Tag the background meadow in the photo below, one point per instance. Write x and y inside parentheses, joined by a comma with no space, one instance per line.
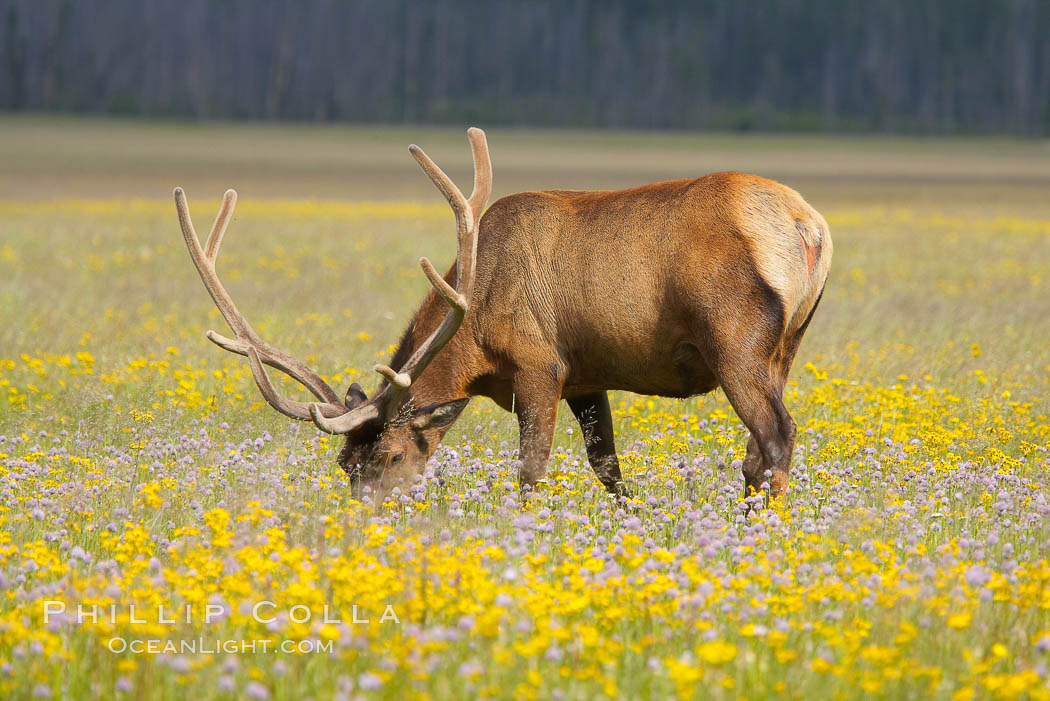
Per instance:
(139,466)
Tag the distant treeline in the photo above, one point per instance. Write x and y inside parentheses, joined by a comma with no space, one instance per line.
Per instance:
(891,65)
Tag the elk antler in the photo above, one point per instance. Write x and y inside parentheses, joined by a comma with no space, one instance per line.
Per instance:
(468,216)
(330,414)
(247,342)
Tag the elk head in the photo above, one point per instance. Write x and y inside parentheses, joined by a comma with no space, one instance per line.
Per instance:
(388,437)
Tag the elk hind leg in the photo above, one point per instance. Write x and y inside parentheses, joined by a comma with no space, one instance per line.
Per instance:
(595,418)
(782,366)
(756,398)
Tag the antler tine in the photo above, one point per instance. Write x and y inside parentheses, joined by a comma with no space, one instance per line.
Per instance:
(482,172)
(444,183)
(344,423)
(247,342)
(454,299)
(218,229)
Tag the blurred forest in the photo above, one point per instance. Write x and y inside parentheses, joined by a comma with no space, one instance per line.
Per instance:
(837,65)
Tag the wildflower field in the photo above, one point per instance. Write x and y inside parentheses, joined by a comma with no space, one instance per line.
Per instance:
(142,478)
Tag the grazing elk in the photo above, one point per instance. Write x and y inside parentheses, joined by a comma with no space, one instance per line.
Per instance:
(671,289)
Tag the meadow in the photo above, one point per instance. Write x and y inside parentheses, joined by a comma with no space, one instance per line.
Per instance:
(139,467)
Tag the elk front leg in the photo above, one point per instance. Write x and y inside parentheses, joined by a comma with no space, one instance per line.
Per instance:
(595,419)
(536,397)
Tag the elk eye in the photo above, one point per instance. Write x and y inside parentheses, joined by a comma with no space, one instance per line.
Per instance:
(398,457)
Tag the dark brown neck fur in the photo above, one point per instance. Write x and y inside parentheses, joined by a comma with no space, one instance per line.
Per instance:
(405,346)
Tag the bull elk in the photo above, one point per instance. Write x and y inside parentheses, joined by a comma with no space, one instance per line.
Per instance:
(669,289)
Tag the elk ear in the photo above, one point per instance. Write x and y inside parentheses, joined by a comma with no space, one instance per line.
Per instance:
(354,396)
(439,415)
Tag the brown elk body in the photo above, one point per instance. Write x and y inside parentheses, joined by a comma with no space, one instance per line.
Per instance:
(670,289)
